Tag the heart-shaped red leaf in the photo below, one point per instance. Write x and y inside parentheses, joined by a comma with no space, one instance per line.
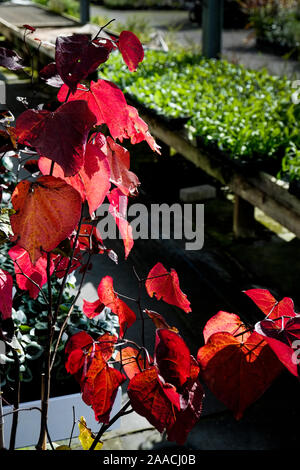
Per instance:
(238,371)
(41,220)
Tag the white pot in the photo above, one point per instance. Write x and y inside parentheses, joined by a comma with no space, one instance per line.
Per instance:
(60,419)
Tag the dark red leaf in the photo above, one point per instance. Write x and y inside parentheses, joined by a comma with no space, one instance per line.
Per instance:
(92,179)
(10,59)
(77,57)
(60,135)
(172,357)
(51,76)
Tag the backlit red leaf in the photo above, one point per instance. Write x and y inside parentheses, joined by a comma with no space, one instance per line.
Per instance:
(224,321)
(131,49)
(165,286)
(119,162)
(107,102)
(25,270)
(108,298)
(269,305)
(41,220)
(132,361)
(60,135)
(118,209)
(283,336)
(238,372)
(6,285)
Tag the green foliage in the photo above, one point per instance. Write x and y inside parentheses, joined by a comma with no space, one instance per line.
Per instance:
(277,23)
(244,114)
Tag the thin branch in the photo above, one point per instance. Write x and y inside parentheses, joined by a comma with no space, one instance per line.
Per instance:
(70,311)
(104,427)
(101,29)
(16,400)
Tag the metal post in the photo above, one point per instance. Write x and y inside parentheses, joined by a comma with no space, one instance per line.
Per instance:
(84,11)
(212,24)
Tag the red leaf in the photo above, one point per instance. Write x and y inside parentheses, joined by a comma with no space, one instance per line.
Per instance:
(100,387)
(92,180)
(90,239)
(119,162)
(41,221)
(92,309)
(77,57)
(118,209)
(172,357)
(75,356)
(106,344)
(6,285)
(24,269)
(131,49)
(222,322)
(283,336)
(10,59)
(61,263)
(107,102)
(58,135)
(27,26)
(151,398)
(165,285)
(269,305)
(109,298)
(132,362)
(238,372)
